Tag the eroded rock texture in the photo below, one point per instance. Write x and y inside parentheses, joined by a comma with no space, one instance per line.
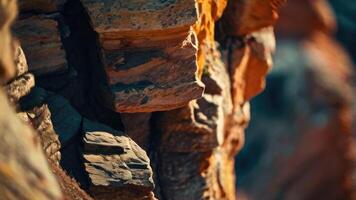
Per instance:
(142,99)
(149,53)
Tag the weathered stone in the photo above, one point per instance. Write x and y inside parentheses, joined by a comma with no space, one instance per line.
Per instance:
(157,71)
(20,87)
(200,126)
(41,6)
(42,45)
(249,61)
(140,15)
(159,80)
(137,127)
(40,118)
(23,167)
(20,61)
(115,163)
(242,17)
(195,175)
(209,12)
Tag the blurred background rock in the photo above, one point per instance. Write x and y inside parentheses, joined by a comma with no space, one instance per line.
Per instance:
(299,142)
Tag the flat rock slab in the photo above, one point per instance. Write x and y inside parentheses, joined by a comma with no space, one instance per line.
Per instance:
(143,15)
(41,42)
(149,53)
(113,161)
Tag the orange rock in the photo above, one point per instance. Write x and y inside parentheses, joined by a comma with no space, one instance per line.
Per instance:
(149,53)
(209,12)
(245,16)
(250,65)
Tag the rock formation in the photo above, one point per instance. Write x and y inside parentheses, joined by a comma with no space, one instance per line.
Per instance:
(24,172)
(142,99)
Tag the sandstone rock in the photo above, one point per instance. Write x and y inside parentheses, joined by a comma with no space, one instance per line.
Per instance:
(123,16)
(20,61)
(23,166)
(196,175)
(20,87)
(193,136)
(40,118)
(242,17)
(137,127)
(209,12)
(200,126)
(42,45)
(41,6)
(117,167)
(249,61)
(184,176)
(157,70)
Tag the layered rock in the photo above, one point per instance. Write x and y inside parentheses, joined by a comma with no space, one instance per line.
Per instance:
(42,45)
(21,92)
(126,59)
(117,167)
(149,53)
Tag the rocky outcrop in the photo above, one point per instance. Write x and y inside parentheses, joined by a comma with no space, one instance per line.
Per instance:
(149,53)
(112,75)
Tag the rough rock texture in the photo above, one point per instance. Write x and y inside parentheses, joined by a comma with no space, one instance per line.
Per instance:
(115,163)
(42,45)
(149,53)
(121,80)
(307,109)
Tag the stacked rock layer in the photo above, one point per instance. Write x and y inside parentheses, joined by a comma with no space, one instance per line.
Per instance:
(142,99)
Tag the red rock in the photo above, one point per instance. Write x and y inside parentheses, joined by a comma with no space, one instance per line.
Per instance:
(42,45)
(149,58)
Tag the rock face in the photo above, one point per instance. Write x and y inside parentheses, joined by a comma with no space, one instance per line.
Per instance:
(143,99)
(41,42)
(149,53)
